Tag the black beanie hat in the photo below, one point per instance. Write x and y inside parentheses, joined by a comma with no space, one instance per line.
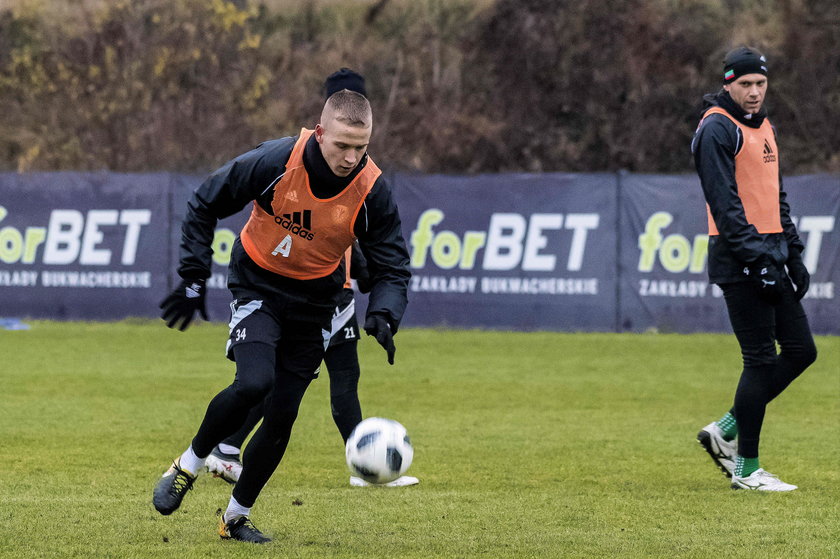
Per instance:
(344,79)
(741,61)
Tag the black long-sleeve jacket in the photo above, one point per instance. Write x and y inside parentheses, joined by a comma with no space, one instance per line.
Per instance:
(715,145)
(252,177)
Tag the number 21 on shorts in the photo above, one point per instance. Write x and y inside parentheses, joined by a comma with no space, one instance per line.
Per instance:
(284,248)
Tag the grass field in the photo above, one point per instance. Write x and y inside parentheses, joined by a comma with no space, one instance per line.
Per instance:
(527,445)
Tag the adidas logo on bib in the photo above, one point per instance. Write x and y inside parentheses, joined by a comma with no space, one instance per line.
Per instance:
(299,223)
(769,156)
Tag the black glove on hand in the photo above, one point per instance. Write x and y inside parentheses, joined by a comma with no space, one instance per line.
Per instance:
(182,303)
(378,327)
(768,277)
(798,273)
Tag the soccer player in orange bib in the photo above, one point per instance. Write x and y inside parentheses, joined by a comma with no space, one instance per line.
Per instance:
(312,195)
(341,357)
(755,256)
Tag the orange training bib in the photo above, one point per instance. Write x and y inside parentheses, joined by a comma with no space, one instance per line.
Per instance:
(307,236)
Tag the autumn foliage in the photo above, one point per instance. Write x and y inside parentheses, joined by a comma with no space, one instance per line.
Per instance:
(458,86)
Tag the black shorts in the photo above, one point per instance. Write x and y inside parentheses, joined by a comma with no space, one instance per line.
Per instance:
(345,327)
(302,343)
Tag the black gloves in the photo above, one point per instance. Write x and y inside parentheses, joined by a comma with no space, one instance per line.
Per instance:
(377,326)
(768,278)
(798,273)
(182,303)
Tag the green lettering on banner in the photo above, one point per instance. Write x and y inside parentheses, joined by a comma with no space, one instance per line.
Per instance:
(473,241)
(421,238)
(651,239)
(699,253)
(446,250)
(11,245)
(675,253)
(222,246)
(19,247)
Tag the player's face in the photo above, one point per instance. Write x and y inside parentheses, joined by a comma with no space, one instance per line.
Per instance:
(342,145)
(748,91)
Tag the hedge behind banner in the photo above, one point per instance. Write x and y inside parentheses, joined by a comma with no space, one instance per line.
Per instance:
(555,251)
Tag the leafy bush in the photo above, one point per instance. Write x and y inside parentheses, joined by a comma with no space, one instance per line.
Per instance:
(457,86)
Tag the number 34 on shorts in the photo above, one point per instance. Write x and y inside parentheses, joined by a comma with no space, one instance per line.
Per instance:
(251,322)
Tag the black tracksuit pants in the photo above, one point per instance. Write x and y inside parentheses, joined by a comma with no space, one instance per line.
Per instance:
(278,374)
(342,361)
(758,325)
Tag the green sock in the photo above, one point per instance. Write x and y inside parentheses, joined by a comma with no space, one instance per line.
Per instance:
(729,426)
(745,466)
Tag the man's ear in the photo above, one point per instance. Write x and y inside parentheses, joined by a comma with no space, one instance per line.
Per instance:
(319,133)
(725,87)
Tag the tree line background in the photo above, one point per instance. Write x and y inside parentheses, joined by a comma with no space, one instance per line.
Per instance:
(457,86)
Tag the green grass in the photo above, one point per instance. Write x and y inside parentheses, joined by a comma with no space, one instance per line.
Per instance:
(527,445)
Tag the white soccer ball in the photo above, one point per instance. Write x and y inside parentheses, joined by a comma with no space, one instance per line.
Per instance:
(379,450)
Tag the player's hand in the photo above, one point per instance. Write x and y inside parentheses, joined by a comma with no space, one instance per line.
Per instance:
(182,303)
(768,278)
(377,326)
(798,273)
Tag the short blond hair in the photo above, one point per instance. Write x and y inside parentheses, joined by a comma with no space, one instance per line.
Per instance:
(348,107)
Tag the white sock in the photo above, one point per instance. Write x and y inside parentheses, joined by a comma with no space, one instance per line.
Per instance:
(235,510)
(228,449)
(190,462)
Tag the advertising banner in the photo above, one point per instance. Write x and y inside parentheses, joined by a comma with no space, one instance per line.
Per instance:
(664,281)
(511,251)
(555,251)
(82,245)
(664,284)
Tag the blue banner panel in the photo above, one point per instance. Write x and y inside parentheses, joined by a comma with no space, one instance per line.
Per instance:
(664,245)
(82,245)
(510,251)
(815,208)
(600,252)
